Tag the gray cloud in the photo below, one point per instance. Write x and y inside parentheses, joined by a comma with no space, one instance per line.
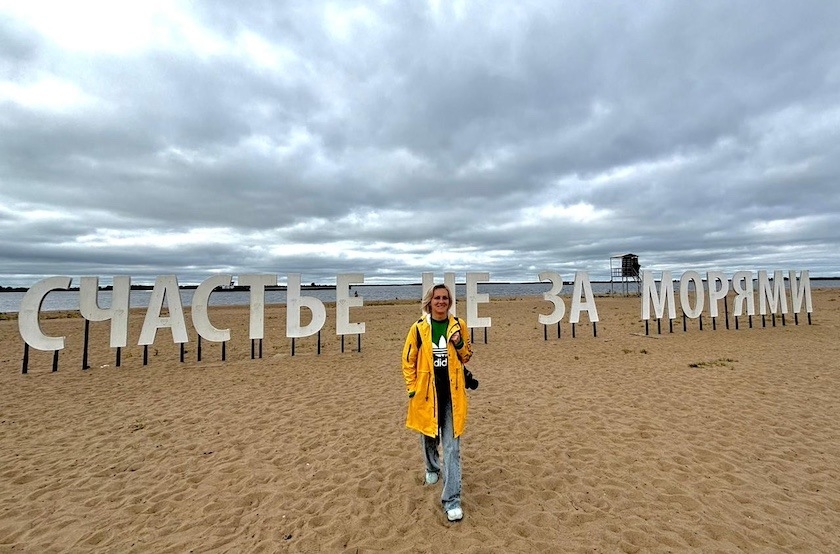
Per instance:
(392,139)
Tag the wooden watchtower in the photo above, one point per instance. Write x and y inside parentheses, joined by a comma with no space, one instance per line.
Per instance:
(624,270)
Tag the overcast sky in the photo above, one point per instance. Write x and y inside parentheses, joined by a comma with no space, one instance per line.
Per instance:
(151,138)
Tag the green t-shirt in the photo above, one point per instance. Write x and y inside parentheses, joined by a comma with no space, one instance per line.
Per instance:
(440,359)
(439,330)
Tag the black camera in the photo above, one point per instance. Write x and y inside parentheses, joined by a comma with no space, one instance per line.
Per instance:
(471,382)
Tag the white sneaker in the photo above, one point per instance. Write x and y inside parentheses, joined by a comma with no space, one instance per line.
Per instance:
(455,514)
(431,477)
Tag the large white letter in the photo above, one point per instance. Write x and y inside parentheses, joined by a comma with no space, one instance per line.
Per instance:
(448,280)
(742,284)
(582,284)
(553,297)
(117,313)
(651,296)
(798,287)
(685,301)
(474,299)
(257,284)
(166,288)
(294,302)
(200,301)
(716,293)
(774,298)
(343,303)
(30,307)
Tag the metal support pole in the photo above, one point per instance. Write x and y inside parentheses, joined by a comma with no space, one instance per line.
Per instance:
(24,368)
(85,347)
(726,312)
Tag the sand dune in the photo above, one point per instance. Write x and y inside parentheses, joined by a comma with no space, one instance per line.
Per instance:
(713,441)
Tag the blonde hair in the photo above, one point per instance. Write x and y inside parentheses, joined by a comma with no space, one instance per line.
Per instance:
(426,303)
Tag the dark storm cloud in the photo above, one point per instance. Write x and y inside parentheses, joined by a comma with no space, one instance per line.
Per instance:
(397,138)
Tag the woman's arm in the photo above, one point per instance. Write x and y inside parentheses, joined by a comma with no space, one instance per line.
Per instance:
(460,339)
(409,359)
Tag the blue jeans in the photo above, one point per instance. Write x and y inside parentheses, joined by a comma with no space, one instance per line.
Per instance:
(451,495)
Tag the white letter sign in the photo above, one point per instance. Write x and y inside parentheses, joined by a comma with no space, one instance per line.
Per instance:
(30,306)
(166,288)
(685,301)
(771,298)
(200,301)
(716,293)
(117,313)
(742,285)
(343,303)
(553,296)
(257,284)
(799,288)
(474,299)
(588,304)
(294,302)
(659,301)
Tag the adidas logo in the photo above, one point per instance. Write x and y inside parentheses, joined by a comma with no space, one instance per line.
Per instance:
(440,353)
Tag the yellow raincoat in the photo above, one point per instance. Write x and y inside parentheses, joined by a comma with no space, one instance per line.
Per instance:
(419,376)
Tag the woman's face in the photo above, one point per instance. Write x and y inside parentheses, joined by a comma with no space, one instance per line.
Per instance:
(440,304)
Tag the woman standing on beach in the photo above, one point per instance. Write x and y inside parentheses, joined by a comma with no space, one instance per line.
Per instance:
(432,365)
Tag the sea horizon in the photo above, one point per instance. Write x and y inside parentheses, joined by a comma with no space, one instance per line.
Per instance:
(68,300)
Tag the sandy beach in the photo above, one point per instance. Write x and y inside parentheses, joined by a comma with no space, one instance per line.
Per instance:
(711,441)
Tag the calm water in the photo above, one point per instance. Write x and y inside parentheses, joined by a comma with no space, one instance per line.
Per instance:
(69,300)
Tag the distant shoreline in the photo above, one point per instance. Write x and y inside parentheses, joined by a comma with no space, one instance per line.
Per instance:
(314,286)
